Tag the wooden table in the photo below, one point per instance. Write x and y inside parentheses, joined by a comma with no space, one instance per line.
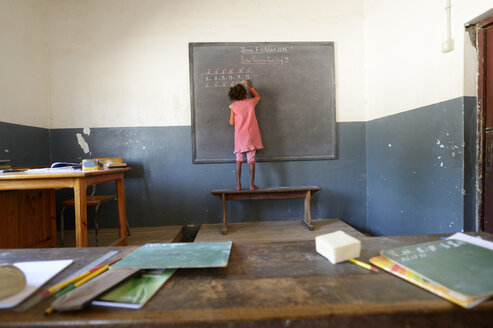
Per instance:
(78,181)
(283,284)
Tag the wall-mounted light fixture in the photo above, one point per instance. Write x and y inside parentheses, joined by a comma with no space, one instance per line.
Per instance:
(448,45)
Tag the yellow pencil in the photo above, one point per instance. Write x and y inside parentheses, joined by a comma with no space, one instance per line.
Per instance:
(48,311)
(92,275)
(69,281)
(364,265)
(83,280)
(77,284)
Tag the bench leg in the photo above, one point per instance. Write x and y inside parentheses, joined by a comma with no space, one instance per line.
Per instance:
(308,215)
(225,226)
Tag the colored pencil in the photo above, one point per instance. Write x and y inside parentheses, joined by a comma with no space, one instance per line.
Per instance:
(86,277)
(70,281)
(95,272)
(364,265)
(82,281)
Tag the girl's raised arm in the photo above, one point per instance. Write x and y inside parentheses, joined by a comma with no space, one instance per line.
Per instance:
(256,96)
(232,117)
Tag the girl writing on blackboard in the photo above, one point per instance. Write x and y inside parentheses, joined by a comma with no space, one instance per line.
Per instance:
(247,134)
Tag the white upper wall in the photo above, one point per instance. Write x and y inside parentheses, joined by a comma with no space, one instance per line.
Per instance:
(23,64)
(405,67)
(125,62)
(104,63)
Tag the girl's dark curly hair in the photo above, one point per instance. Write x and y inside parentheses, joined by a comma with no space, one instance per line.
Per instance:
(238,92)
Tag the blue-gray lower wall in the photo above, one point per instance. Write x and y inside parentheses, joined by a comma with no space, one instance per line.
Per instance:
(403,174)
(415,165)
(24,145)
(164,187)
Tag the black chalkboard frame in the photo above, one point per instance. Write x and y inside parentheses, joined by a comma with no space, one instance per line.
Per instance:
(331,154)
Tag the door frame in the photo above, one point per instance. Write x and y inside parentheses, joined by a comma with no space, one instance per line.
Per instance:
(481,116)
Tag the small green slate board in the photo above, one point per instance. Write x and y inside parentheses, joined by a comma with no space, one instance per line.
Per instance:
(178,255)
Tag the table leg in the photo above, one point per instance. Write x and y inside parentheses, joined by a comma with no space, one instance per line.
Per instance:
(122,213)
(80,207)
(225,226)
(308,215)
(54,242)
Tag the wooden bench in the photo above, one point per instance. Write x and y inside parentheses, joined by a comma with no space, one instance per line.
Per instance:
(305,192)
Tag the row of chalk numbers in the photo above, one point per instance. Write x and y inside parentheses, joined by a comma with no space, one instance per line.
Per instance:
(224,77)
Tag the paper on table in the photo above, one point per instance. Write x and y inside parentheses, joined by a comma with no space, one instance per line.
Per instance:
(37,274)
(478,241)
(63,169)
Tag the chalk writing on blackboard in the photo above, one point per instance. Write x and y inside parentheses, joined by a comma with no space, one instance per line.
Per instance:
(267,49)
(268,54)
(225,77)
(226,70)
(262,60)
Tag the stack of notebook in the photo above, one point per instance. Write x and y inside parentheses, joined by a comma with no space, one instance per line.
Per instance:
(458,269)
(133,280)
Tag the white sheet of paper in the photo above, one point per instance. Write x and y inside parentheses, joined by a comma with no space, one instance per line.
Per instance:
(63,169)
(37,274)
(478,241)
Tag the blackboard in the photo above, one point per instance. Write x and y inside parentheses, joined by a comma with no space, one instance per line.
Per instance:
(296,113)
(453,264)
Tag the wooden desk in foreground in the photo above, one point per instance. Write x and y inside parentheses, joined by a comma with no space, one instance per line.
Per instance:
(265,285)
(76,180)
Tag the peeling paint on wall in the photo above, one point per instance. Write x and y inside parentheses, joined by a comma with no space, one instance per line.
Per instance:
(417,189)
(87,131)
(82,143)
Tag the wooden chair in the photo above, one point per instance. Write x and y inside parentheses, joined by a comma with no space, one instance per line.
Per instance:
(92,200)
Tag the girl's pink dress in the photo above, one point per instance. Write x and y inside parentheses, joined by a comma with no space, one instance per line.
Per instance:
(247,134)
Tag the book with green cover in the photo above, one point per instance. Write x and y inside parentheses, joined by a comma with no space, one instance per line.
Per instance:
(418,280)
(454,264)
(136,291)
(178,255)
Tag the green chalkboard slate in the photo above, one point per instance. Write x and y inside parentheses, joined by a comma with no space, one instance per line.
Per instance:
(454,264)
(296,113)
(178,255)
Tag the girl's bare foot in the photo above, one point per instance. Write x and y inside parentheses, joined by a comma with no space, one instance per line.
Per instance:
(253,187)
(238,188)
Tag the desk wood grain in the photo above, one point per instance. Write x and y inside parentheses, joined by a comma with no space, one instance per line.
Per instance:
(282,284)
(27,218)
